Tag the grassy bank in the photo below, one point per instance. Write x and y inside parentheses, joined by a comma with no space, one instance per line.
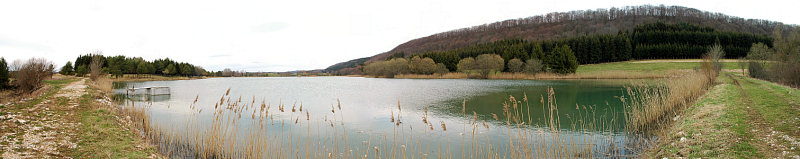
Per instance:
(104,133)
(740,118)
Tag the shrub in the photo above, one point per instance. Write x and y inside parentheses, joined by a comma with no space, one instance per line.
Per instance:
(516,65)
(388,68)
(533,66)
(466,64)
(419,65)
(30,75)
(756,70)
(487,63)
(441,68)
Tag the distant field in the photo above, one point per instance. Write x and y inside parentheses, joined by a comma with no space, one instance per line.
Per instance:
(650,65)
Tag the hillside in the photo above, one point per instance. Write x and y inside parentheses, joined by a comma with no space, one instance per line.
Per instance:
(559,25)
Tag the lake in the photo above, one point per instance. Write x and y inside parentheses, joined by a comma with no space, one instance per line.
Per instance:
(356,115)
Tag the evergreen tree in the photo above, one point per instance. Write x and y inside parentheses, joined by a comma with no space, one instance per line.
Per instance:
(66,69)
(562,60)
(81,70)
(170,70)
(4,75)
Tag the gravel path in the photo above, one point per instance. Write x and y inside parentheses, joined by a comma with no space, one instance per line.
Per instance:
(44,130)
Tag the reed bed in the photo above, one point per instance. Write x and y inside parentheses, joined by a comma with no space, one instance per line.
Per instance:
(242,127)
(648,107)
(102,83)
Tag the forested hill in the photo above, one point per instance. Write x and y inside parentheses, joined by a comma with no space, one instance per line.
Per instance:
(560,25)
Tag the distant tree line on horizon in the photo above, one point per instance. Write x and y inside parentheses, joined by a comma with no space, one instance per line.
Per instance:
(119,65)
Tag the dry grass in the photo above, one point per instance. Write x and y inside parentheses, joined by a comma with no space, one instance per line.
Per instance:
(103,84)
(648,106)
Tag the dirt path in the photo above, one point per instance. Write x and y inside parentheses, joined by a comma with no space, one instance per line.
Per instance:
(773,142)
(739,118)
(45,129)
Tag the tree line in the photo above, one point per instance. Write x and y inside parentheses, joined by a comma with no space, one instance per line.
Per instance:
(677,41)
(583,50)
(560,59)
(120,64)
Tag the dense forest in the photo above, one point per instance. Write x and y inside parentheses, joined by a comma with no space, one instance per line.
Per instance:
(656,40)
(119,65)
(600,22)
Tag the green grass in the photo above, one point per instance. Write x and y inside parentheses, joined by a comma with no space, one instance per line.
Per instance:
(737,120)
(646,67)
(101,136)
(721,117)
(777,104)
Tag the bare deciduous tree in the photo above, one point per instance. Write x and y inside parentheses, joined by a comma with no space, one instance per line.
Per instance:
(28,75)
(96,66)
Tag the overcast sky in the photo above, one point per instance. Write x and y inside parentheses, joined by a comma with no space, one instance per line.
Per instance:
(280,35)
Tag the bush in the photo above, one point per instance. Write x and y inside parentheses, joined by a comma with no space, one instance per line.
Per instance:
(533,66)
(466,64)
(756,70)
(30,75)
(488,63)
(515,65)
(561,60)
(388,68)
(419,65)
(441,68)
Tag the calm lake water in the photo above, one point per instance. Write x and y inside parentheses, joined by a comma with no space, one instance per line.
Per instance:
(368,104)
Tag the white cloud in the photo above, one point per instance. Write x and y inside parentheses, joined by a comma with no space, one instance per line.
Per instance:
(275,35)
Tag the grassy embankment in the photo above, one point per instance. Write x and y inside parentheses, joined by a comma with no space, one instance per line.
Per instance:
(637,69)
(741,117)
(67,120)
(103,132)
